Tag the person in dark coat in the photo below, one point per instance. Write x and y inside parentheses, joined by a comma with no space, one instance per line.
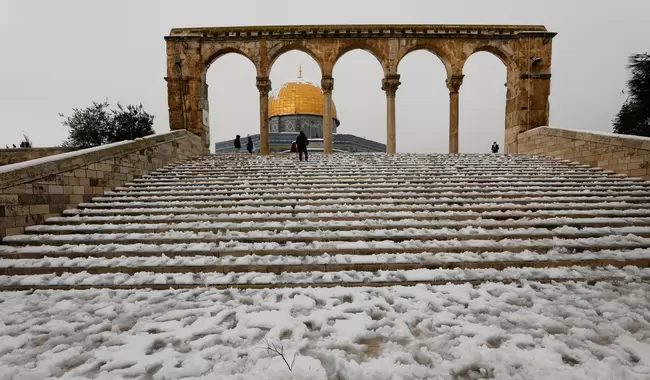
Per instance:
(302,143)
(495,147)
(294,149)
(249,145)
(237,144)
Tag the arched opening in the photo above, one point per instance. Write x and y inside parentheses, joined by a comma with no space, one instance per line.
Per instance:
(359,99)
(233,100)
(482,104)
(295,101)
(422,104)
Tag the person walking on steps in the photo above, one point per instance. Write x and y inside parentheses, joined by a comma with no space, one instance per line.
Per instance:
(237,144)
(249,145)
(495,147)
(302,143)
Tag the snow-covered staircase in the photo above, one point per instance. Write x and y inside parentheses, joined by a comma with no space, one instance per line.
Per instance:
(349,219)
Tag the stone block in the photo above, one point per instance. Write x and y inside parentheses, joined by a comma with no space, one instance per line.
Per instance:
(20,189)
(78,190)
(7,221)
(80,173)
(39,209)
(16,210)
(14,231)
(638,172)
(55,189)
(8,199)
(77,198)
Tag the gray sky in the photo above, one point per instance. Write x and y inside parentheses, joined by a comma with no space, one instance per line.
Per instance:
(61,54)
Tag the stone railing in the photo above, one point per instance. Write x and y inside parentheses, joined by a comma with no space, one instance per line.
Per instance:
(11,156)
(32,191)
(624,154)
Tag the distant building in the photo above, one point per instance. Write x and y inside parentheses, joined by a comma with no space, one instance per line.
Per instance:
(298,106)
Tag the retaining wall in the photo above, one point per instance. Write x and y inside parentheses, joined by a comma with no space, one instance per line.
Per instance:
(32,191)
(624,154)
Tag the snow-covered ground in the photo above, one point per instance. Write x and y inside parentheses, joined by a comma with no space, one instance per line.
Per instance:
(271,222)
(455,332)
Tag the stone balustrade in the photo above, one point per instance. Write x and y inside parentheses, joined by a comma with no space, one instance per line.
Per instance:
(34,190)
(623,154)
(14,155)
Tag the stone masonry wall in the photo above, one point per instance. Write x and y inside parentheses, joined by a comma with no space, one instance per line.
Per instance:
(32,191)
(624,154)
(11,156)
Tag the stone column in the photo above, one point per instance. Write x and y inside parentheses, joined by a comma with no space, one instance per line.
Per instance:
(264,86)
(390,84)
(454,84)
(327,84)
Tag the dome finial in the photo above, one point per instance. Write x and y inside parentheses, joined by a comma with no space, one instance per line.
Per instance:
(300,71)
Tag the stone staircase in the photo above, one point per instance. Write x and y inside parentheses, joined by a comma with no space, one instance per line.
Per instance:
(345,220)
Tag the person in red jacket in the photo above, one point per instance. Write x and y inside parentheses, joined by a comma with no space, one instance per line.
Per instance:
(294,149)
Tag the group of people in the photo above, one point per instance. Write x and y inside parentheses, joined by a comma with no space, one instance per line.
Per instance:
(300,145)
(249,144)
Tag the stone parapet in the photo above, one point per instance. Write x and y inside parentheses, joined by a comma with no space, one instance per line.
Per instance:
(12,156)
(34,190)
(623,154)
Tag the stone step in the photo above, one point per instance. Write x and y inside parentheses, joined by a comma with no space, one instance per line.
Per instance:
(324,262)
(389,182)
(364,225)
(188,237)
(392,169)
(299,211)
(297,268)
(277,192)
(374,178)
(239,249)
(324,217)
(300,204)
(236,173)
(349,196)
(342,278)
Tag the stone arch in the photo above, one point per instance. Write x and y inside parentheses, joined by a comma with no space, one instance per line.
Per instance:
(375,52)
(214,55)
(498,52)
(273,56)
(433,50)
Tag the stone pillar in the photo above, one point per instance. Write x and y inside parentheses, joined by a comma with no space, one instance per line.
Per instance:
(390,84)
(327,84)
(527,106)
(454,83)
(264,86)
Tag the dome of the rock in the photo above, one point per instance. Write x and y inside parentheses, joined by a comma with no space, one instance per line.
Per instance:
(298,98)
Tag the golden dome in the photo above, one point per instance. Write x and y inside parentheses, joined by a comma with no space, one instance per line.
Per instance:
(299,97)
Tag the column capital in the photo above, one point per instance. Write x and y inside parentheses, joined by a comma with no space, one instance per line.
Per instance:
(454,82)
(263,85)
(390,83)
(327,84)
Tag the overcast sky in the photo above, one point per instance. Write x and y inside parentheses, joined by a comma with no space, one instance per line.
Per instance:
(58,55)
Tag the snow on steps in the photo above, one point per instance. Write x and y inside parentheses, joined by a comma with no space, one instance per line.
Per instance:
(363,219)
(286,237)
(150,280)
(345,225)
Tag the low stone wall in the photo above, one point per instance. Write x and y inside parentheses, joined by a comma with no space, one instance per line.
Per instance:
(624,154)
(11,156)
(32,191)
